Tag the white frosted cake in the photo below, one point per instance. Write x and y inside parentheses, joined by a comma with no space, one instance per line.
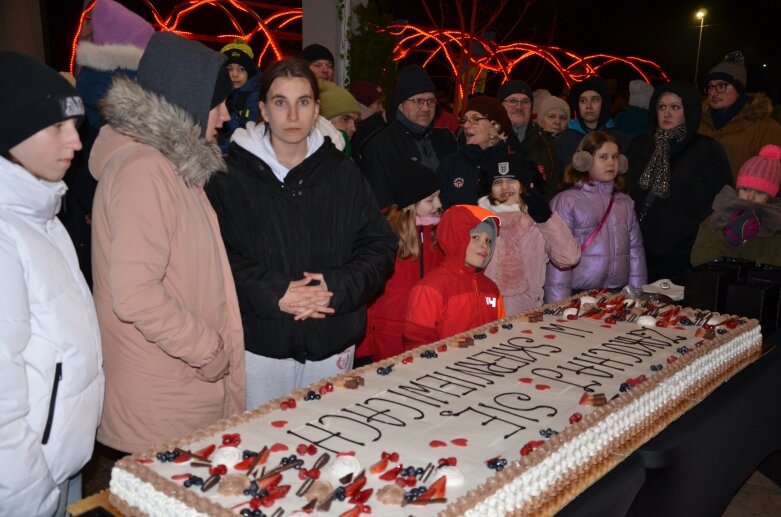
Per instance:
(517,416)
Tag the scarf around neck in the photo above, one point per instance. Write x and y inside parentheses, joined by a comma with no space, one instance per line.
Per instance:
(656,175)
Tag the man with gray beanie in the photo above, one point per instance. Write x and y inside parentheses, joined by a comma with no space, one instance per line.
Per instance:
(739,120)
(410,135)
(164,293)
(529,140)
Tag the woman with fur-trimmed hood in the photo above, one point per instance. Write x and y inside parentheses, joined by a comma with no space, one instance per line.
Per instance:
(165,298)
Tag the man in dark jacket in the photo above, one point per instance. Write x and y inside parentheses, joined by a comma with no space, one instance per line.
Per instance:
(589,100)
(409,137)
(529,139)
(739,120)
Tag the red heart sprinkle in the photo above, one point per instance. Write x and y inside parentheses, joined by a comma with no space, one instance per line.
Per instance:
(526,380)
(437,443)
(527,331)
(549,336)
(279,423)
(460,442)
(542,387)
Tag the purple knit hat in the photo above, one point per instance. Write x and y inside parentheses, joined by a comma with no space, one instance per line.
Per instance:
(113,23)
(763,172)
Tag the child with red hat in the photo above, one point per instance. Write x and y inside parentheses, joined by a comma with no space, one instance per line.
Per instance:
(746,223)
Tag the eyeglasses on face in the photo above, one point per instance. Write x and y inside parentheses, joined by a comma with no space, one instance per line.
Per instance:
(473,120)
(517,102)
(419,103)
(719,87)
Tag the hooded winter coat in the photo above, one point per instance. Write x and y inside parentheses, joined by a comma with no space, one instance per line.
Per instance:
(523,249)
(163,288)
(243,106)
(394,145)
(763,248)
(385,315)
(454,297)
(462,174)
(51,382)
(698,171)
(615,257)
(569,139)
(322,218)
(743,136)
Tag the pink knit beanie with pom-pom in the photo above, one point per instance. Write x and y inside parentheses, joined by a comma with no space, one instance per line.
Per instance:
(763,172)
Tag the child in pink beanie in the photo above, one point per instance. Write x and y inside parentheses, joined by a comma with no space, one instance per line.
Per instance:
(746,223)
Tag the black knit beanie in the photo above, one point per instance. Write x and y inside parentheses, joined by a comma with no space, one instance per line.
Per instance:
(316,52)
(513,87)
(411,182)
(413,80)
(32,97)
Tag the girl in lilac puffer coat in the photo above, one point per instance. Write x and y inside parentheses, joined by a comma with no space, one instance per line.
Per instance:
(601,217)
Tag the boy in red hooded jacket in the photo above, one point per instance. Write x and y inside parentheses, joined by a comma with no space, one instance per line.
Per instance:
(456,296)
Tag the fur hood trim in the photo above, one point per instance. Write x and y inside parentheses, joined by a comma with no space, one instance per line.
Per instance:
(108,58)
(152,120)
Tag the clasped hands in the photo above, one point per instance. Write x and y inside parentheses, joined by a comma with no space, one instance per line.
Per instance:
(307,298)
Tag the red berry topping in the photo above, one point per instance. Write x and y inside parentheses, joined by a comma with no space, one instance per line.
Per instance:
(392,473)
(575,418)
(314,473)
(255,503)
(493,330)
(311,449)
(301,449)
(407,359)
(572,317)
(322,390)
(442,348)
(303,473)
(329,387)
(610,320)
(231,440)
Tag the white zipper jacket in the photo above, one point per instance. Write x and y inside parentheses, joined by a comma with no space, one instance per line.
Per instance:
(51,378)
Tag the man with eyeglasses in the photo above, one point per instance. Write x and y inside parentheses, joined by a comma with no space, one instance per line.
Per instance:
(739,120)
(529,139)
(410,137)
(589,101)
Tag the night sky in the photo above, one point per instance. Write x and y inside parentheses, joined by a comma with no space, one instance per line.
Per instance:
(663,31)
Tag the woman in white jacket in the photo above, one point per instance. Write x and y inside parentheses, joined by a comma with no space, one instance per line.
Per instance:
(51,381)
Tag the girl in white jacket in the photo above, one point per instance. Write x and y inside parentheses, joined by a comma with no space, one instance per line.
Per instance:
(51,381)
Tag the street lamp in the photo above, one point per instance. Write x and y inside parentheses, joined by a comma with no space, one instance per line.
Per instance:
(700,15)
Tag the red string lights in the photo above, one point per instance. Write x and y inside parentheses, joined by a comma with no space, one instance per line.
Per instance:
(456,45)
(269,27)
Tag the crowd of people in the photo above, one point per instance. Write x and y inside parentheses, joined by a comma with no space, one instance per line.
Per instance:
(237,233)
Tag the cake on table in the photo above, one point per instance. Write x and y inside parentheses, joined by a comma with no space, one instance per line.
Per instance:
(520,415)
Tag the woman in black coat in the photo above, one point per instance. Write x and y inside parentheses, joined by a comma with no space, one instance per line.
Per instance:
(674,174)
(307,243)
